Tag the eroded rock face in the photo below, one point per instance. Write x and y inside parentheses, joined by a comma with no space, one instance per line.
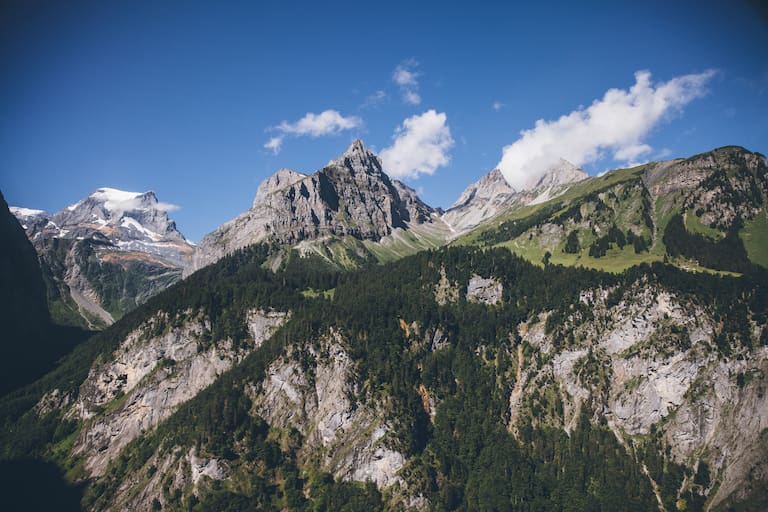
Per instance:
(318,403)
(658,371)
(350,196)
(727,184)
(149,376)
(484,290)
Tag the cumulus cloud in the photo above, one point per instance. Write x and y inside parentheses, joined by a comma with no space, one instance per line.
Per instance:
(406,78)
(328,122)
(420,145)
(617,124)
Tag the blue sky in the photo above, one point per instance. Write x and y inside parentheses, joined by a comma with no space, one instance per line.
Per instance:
(181,97)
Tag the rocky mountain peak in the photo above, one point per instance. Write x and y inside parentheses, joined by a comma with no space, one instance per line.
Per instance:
(129,221)
(358,159)
(27,216)
(349,197)
(120,215)
(487,187)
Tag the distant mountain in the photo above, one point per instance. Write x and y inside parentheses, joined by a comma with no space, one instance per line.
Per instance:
(105,254)
(349,201)
(131,221)
(492,195)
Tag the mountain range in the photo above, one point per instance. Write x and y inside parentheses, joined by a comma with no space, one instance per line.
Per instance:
(110,251)
(587,343)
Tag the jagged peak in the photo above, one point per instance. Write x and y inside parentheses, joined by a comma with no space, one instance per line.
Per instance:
(357,147)
(488,186)
(357,158)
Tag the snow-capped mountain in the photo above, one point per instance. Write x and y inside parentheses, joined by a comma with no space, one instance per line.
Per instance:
(106,253)
(491,195)
(132,221)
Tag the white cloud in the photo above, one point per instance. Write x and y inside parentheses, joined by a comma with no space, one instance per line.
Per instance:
(328,122)
(119,201)
(497,105)
(274,144)
(617,123)
(411,97)
(420,145)
(406,78)
(167,207)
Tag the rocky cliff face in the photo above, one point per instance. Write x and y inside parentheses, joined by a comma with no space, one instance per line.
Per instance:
(105,254)
(131,221)
(651,365)
(406,375)
(719,187)
(350,197)
(350,439)
(155,369)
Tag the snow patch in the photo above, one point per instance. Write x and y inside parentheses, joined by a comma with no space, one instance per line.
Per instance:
(130,222)
(18,211)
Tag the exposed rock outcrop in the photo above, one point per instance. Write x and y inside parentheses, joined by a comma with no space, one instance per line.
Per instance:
(484,290)
(351,438)
(149,376)
(649,365)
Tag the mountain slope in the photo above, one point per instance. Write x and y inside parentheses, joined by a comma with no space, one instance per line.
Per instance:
(623,218)
(105,254)
(464,378)
(432,377)
(24,310)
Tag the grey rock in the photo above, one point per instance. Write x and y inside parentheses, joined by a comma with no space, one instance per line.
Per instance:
(148,378)
(484,290)
(127,232)
(351,196)
(350,436)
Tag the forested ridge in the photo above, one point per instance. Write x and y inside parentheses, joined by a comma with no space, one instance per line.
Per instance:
(465,458)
